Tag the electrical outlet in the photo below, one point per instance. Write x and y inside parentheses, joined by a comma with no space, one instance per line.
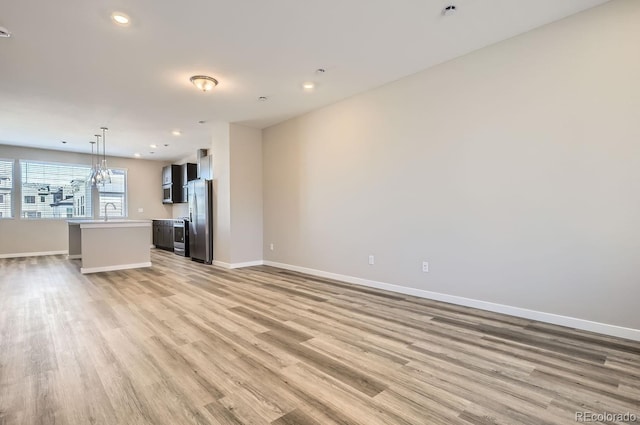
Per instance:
(425,266)
(271,246)
(371,260)
(140,210)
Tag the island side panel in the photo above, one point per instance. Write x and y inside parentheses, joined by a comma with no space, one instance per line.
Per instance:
(106,248)
(75,242)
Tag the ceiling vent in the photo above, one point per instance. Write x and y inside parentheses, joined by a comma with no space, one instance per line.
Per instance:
(449,10)
(4,33)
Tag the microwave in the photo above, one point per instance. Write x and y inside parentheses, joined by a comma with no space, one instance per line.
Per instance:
(167,193)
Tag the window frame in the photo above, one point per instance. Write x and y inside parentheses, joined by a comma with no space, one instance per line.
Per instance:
(125,208)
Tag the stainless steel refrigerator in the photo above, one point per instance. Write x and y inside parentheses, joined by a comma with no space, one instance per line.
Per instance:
(200,195)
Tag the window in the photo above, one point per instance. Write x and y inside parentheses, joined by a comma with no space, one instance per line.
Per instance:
(6,188)
(116,193)
(59,184)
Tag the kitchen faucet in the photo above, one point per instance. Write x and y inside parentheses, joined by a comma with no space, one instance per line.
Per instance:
(106,217)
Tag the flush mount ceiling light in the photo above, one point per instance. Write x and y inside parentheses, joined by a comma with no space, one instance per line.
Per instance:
(176,132)
(137,155)
(153,146)
(449,10)
(203,82)
(4,33)
(120,18)
(308,86)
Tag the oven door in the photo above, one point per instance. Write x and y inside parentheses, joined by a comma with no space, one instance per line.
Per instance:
(179,238)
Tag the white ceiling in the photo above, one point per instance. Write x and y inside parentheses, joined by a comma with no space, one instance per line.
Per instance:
(67,69)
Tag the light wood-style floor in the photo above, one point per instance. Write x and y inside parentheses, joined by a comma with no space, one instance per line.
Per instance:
(184,343)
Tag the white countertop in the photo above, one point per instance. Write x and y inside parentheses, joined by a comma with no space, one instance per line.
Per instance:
(116,222)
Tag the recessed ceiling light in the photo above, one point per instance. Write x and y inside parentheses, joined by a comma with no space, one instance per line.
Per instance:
(176,132)
(201,122)
(308,86)
(166,145)
(320,71)
(120,18)
(137,155)
(204,82)
(64,142)
(263,98)
(151,152)
(153,146)
(4,33)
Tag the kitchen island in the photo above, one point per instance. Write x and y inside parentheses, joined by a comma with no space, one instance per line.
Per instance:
(110,245)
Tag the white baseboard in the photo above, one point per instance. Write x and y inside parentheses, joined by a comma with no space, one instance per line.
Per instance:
(247,264)
(221,264)
(32,254)
(74,257)
(86,270)
(237,265)
(571,322)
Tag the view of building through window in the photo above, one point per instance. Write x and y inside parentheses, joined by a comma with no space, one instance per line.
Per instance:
(54,190)
(59,189)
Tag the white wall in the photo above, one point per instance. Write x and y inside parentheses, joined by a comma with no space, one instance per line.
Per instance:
(221,152)
(237,185)
(144,184)
(514,170)
(246,194)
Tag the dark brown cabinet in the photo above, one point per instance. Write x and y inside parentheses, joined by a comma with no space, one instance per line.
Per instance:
(188,172)
(174,182)
(163,234)
(171,174)
(171,184)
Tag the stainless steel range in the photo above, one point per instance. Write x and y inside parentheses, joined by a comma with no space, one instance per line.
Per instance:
(181,236)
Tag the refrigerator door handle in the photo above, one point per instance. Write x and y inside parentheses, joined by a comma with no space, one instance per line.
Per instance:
(195,206)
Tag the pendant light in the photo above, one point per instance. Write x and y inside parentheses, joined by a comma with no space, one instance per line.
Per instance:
(100,173)
(92,173)
(104,169)
(95,176)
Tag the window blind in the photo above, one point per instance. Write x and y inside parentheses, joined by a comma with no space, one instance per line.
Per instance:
(60,190)
(6,188)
